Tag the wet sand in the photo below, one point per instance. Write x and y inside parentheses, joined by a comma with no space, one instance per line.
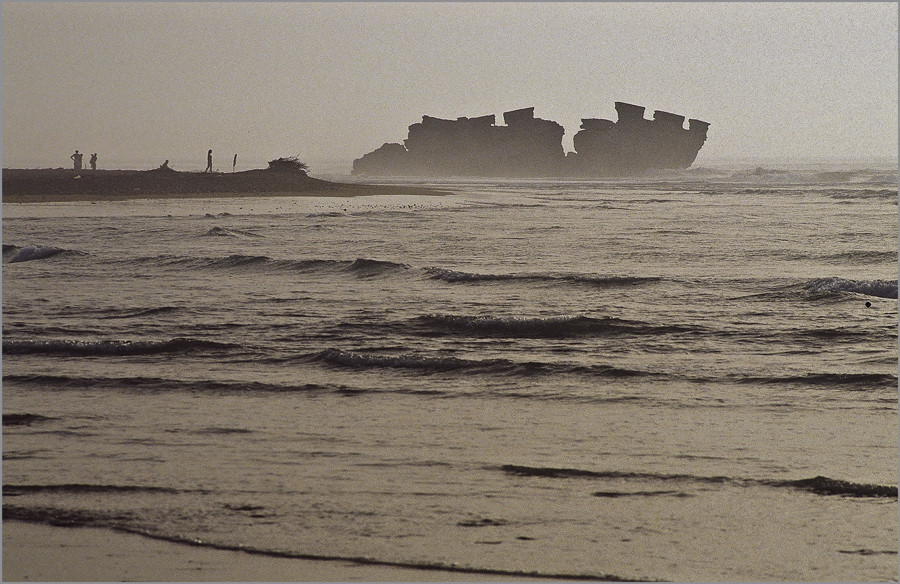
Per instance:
(63,185)
(42,553)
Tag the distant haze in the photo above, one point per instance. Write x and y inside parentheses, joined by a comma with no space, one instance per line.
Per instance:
(139,83)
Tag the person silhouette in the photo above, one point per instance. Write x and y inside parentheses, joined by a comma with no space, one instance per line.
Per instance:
(208,161)
(94,161)
(76,158)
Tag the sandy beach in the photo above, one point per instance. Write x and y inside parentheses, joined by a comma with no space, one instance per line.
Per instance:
(42,553)
(66,185)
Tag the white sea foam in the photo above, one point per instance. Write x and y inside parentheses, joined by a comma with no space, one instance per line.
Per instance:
(35,252)
(880,288)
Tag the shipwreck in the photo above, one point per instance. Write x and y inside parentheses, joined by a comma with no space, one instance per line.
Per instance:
(527,146)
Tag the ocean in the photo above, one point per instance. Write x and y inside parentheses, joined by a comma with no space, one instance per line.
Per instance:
(681,377)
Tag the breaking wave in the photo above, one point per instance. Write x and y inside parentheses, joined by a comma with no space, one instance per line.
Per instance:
(854,194)
(410,361)
(879,288)
(361,266)
(819,485)
(110,348)
(369,267)
(37,252)
(223,232)
(864,180)
(827,486)
(858,381)
(844,175)
(453,276)
(9,251)
(431,364)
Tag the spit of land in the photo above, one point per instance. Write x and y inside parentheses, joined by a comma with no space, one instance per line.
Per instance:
(62,185)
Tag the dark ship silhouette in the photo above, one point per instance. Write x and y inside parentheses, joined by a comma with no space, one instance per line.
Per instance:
(531,147)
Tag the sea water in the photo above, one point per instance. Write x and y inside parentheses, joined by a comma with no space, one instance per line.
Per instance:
(684,377)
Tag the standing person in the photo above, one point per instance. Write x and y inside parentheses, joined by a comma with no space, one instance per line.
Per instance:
(234,163)
(76,158)
(208,161)
(94,161)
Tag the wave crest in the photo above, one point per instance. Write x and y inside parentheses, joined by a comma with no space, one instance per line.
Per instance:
(223,232)
(363,267)
(819,485)
(405,361)
(40,252)
(858,381)
(367,267)
(548,327)
(827,486)
(110,348)
(431,364)
(879,288)
(453,277)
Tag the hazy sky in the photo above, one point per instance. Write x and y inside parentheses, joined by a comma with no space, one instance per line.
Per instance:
(142,82)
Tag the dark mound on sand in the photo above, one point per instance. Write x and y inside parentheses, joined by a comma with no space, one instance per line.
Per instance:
(58,185)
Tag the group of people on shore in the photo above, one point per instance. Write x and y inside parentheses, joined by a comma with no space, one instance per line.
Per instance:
(78,157)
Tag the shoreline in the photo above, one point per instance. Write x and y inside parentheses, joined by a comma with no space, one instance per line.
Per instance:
(351,191)
(37,552)
(66,185)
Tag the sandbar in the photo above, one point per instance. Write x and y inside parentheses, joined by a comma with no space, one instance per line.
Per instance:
(63,185)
